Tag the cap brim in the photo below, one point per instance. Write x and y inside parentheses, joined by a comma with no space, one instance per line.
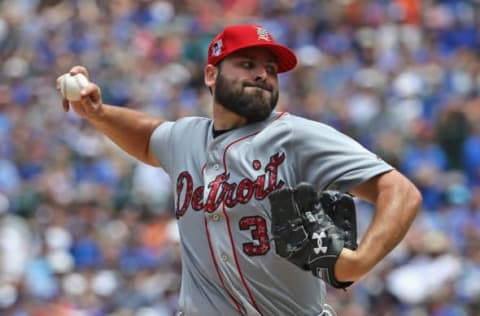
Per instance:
(286,59)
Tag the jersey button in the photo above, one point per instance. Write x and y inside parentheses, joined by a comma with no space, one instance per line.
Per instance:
(224,257)
(215,217)
(216,166)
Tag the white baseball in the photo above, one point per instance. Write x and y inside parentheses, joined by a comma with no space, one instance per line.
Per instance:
(71,85)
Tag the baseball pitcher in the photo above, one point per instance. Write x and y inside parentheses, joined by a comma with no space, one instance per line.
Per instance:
(262,198)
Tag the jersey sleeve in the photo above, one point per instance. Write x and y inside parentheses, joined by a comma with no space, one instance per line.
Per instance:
(175,143)
(160,143)
(330,159)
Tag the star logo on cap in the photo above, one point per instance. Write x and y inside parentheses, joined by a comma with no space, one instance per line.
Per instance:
(217,48)
(263,34)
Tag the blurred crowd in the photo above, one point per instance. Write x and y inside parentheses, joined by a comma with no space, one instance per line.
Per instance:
(86,230)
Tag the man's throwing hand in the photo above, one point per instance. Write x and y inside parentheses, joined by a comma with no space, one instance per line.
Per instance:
(89,105)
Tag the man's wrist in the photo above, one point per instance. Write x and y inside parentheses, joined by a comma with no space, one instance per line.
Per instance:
(348,267)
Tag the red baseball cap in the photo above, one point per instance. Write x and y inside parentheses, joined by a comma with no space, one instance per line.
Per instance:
(236,37)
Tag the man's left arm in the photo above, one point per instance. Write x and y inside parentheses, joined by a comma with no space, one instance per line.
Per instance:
(396,202)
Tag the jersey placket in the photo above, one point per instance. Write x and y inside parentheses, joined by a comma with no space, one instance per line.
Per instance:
(217,222)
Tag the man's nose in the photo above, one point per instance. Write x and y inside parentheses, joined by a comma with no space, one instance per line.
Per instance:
(261,73)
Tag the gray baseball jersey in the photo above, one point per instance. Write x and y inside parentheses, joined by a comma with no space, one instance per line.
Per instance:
(221,187)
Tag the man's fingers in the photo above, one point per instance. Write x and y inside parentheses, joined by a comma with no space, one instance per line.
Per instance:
(66,105)
(79,69)
(95,96)
(91,90)
(92,93)
(59,82)
(91,98)
(92,106)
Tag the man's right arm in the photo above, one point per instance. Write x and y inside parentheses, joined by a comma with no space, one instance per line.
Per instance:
(129,129)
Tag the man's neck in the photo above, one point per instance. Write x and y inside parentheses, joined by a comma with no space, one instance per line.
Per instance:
(217,132)
(224,119)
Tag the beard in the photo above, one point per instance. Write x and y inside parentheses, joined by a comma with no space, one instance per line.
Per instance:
(255,105)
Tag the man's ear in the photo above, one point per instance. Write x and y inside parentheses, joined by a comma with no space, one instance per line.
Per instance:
(210,75)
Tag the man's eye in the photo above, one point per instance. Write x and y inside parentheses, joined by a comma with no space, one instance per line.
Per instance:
(247,64)
(272,69)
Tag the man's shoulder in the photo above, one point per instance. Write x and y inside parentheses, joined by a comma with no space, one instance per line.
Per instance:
(188,125)
(300,122)
(192,122)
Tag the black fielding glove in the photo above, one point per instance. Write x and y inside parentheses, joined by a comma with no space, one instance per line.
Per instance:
(311,229)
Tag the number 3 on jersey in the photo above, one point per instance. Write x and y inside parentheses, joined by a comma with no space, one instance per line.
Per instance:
(260,244)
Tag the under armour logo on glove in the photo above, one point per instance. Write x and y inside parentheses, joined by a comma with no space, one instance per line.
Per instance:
(319,238)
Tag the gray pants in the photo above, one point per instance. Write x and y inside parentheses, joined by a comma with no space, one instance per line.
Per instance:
(327,311)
